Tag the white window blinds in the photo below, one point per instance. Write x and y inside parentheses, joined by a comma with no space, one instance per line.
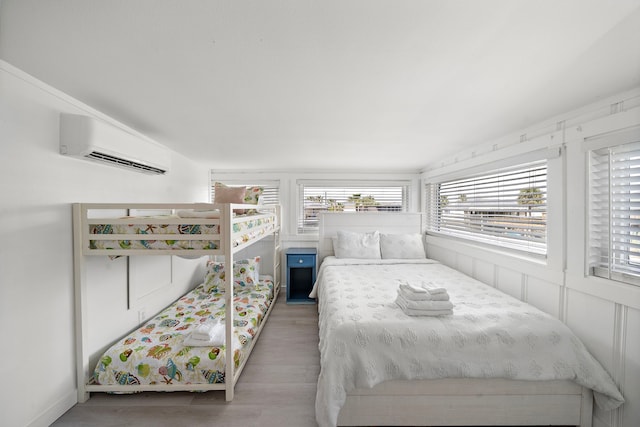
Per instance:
(614,212)
(506,208)
(326,196)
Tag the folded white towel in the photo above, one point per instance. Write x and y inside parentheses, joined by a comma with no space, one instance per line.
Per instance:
(206,334)
(423,305)
(409,294)
(411,312)
(204,331)
(433,288)
(414,288)
(421,287)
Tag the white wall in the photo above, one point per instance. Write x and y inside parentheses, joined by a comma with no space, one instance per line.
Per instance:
(603,313)
(37,187)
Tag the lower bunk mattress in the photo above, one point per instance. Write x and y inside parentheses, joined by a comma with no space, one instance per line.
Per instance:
(156,352)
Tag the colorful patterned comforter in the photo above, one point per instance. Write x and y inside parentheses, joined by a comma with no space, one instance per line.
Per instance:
(155,353)
(162,234)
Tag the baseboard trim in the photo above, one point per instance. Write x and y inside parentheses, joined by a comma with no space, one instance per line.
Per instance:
(56,410)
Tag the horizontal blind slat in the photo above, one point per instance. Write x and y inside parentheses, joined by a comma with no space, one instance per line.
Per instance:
(614,212)
(508,207)
(316,197)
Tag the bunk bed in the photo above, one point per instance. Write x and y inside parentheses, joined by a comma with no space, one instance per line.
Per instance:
(380,366)
(187,230)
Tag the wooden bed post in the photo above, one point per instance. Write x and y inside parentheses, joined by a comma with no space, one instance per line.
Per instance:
(586,407)
(227,242)
(80,297)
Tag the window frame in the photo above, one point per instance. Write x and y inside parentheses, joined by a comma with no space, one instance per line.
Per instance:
(345,186)
(505,214)
(603,151)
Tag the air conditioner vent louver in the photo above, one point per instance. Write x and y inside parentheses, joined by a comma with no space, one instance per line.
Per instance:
(91,139)
(106,158)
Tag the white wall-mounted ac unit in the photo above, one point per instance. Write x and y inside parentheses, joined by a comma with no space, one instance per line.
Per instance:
(92,139)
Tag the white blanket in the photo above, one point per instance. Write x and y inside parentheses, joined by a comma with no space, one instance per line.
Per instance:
(366,339)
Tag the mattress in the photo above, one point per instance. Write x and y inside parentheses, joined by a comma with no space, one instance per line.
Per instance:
(366,339)
(156,354)
(173,232)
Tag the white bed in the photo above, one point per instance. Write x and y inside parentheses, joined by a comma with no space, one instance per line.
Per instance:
(189,231)
(363,383)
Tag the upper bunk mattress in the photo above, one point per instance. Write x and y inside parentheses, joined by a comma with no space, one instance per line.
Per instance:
(156,353)
(174,232)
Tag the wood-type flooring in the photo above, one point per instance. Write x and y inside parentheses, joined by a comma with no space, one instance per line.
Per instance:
(276,388)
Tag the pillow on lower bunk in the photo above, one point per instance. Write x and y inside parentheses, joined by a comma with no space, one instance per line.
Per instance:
(358,245)
(402,246)
(246,272)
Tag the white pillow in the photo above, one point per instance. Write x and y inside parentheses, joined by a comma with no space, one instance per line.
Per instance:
(402,246)
(358,245)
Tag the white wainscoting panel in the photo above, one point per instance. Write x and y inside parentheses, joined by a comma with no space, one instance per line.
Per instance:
(465,264)
(485,272)
(510,282)
(597,422)
(630,382)
(593,320)
(544,295)
(148,275)
(447,257)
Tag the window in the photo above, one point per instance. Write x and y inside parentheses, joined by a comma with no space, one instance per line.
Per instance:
(614,212)
(341,196)
(506,208)
(270,196)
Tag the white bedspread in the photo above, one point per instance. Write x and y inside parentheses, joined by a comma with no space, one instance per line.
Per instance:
(366,339)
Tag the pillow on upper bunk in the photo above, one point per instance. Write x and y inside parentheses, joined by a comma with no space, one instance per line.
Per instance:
(226,194)
(246,273)
(252,195)
(358,245)
(402,246)
(245,195)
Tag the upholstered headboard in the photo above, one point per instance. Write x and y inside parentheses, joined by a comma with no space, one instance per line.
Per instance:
(384,222)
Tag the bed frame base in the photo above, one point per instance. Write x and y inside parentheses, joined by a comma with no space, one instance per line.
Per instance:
(470,402)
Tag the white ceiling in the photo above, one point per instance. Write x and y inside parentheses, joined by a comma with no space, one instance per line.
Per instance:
(326,85)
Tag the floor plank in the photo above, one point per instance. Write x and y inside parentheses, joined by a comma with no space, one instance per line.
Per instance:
(276,388)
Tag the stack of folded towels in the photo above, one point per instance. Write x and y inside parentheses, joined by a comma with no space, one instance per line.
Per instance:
(206,334)
(424,299)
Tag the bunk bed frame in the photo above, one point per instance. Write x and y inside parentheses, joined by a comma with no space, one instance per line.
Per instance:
(450,401)
(230,243)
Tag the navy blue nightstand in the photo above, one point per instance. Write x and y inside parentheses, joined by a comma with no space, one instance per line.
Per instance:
(301,274)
